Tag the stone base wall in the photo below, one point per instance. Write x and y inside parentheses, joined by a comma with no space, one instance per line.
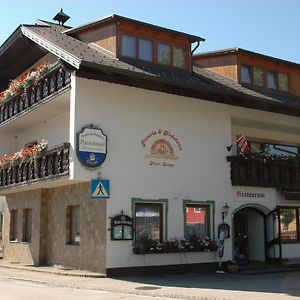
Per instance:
(49,239)
(17,251)
(91,253)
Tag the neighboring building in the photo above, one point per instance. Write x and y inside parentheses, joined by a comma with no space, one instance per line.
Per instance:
(168,121)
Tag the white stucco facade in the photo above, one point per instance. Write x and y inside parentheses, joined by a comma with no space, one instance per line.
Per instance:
(201,173)
(133,119)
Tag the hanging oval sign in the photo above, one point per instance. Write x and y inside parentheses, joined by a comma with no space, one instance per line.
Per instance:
(91,146)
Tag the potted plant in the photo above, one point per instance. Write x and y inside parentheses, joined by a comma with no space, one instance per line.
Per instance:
(233,267)
(285,261)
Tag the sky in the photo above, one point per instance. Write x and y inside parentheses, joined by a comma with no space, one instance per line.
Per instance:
(270,27)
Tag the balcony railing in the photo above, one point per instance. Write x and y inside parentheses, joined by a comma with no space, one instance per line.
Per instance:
(54,82)
(51,164)
(280,173)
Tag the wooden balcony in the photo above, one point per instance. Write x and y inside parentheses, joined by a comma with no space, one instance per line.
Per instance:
(280,173)
(54,82)
(52,164)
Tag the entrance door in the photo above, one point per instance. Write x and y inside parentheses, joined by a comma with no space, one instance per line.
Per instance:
(241,250)
(273,240)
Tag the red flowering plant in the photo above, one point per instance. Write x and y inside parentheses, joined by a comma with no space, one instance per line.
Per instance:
(18,85)
(23,155)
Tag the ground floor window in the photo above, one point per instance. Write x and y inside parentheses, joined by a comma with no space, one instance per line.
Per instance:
(197,221)
(148,221)
(13,230)
(73,225)
(289,223)
(27,225)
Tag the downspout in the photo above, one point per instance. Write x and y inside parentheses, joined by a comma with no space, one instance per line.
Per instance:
(196,47)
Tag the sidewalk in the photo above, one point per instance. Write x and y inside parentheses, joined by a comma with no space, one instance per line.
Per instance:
(181,286)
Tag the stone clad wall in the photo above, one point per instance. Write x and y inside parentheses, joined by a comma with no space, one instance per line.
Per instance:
(48,244)
(17,251)
(90,254)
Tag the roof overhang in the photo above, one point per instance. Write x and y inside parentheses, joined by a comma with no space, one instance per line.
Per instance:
(17,54)
(224,96)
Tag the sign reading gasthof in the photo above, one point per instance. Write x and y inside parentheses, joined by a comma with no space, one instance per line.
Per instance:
(91,146)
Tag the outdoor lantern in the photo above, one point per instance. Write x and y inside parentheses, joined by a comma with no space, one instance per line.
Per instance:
(225,210)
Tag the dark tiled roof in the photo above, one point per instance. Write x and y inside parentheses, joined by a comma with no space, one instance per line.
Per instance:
(234,87)
(201,81)
(241,50)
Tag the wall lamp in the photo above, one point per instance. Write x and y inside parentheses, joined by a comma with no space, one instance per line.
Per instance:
(225,210)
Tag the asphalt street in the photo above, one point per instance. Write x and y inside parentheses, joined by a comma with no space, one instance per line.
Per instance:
(14,290)
(22,282)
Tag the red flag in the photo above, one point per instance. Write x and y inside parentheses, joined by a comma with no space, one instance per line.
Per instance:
(243,144)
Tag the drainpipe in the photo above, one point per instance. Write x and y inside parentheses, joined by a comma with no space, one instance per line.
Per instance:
(196,47)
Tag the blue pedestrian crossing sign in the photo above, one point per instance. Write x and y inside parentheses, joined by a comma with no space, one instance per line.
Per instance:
(99,189)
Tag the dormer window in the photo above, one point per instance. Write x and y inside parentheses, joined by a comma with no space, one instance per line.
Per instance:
(146,50)
(131,46)
(258,76)
(128,46)
(283,82)
(272,82)
(179,57)
(131,39)
(153,51)
(261,77)
(164,54)
(246,74)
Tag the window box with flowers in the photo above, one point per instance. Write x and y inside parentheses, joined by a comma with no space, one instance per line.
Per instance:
(147,245)
(18,86)
(36,87)
(34,163)
(24,155)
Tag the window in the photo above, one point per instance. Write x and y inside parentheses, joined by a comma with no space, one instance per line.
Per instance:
(27,225)
(73,225)
(179,57)
(283,82)
(289,224)
(129,46)
(152,51)
(246,74)
(272,80)
(148,221)
(146,50)
(258,76)
(255,147)
(197,220)
(13,232)
(164,54)
(273,149)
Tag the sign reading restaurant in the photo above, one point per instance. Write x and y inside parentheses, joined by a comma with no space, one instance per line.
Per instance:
(253,194)
(91,146)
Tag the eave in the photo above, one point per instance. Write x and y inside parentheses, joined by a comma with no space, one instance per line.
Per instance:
(220,95)
(16,55)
